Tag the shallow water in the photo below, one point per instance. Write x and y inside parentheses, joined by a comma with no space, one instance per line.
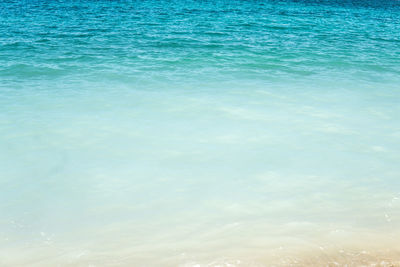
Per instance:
(199,133)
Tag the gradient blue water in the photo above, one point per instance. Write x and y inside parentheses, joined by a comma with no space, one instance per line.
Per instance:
(199,133)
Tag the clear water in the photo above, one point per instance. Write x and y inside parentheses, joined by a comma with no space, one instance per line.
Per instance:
(199,133)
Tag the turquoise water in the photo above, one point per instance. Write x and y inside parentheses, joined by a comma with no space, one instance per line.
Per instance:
(199,133)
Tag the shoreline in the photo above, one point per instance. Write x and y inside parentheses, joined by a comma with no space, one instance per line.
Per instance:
(351,250)
(351,257)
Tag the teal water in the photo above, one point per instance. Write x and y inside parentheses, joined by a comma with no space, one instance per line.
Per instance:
(199,133)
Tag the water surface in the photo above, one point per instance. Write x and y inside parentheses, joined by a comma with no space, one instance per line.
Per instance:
(199,133)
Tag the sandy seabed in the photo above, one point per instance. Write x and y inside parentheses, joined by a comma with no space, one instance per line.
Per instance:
(354,251)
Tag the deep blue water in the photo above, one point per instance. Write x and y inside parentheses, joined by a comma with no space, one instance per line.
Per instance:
(199,133)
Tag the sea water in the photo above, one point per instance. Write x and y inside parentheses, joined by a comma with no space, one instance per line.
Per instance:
(199,133)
